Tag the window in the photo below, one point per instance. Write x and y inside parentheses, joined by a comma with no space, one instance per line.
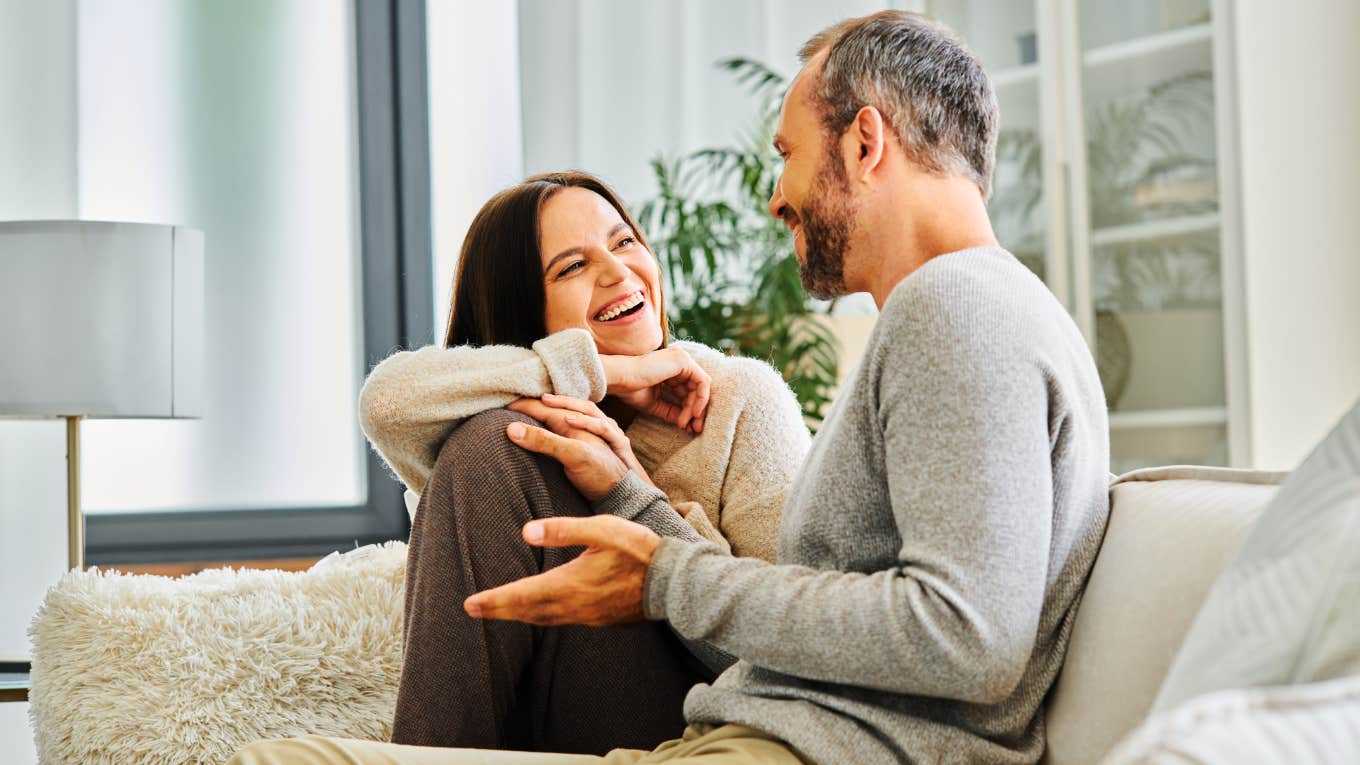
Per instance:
(293,135)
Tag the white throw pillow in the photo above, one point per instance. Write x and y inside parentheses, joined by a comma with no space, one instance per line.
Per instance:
(1315,724)
(1287,608)
(137,669)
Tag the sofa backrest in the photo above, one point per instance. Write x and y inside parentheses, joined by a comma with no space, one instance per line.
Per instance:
(1171,531)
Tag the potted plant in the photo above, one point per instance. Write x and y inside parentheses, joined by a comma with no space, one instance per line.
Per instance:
(731,268)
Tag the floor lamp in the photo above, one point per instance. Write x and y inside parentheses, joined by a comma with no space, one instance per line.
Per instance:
(99,320)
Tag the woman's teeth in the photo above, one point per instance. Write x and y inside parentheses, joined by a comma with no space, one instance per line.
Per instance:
(618,309)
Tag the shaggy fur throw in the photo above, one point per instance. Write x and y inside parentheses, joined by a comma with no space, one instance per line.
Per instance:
(144,670)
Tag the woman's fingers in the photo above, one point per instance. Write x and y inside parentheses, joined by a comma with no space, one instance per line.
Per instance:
(553,415)
(574,404)
(531,407)
(605,429)
(697,402)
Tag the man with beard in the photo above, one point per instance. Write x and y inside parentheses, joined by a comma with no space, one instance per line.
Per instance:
(933,550)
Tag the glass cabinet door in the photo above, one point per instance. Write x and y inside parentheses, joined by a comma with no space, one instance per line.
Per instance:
(1005,37)
(1152,274)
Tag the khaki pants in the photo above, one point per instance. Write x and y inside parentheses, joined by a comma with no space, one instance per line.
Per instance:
(701,745)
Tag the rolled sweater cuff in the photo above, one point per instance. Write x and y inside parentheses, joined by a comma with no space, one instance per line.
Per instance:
(573,364)
(633,499)
(668,557)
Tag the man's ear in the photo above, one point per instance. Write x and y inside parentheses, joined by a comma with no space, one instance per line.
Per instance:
(868,132)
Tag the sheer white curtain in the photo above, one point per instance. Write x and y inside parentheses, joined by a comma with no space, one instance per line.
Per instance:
(609,84)
(475,134)
(598,85)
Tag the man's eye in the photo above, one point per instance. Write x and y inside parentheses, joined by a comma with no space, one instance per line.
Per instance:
(627,241)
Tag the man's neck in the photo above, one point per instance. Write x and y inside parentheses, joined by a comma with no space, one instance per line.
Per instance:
(948,215)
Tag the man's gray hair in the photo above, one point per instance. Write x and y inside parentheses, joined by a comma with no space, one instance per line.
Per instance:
(927,85)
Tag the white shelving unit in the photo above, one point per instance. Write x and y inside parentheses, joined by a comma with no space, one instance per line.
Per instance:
(1169,418)
(1055,65)
(1168,228)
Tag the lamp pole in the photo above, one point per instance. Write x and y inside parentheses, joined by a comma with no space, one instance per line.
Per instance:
(75,521)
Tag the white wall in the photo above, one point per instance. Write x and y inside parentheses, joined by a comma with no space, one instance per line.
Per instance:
(37,180)
(1299,125)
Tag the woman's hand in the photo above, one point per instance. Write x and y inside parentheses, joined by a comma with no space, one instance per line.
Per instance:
(582,420)
(668,384)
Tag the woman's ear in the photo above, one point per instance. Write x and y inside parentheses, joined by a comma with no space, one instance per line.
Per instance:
(868,132)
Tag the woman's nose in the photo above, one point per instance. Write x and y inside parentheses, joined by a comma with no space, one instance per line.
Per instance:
(614,271)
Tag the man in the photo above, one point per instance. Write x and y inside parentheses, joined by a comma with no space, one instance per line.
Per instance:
(933,551)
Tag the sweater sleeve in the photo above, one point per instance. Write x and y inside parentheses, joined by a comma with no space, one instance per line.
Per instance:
(695,515)
(769,445)
(963,418)
(412,399)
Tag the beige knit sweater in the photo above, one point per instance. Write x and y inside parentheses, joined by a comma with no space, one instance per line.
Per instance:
(729,482)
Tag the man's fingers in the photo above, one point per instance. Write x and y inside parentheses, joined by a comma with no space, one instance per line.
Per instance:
(528,600)
(593,531)
(594,425)
(543,442)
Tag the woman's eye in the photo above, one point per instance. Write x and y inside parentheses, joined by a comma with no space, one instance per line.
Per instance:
(572,267)
(627,241)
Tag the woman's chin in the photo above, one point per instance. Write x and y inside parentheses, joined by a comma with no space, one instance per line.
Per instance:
(628,340)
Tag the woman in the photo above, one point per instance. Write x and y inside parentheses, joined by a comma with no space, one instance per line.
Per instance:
(558,304)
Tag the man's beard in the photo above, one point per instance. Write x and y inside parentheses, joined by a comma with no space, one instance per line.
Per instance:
(828,219)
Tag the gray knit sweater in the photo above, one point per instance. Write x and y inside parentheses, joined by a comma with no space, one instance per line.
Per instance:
(934,547)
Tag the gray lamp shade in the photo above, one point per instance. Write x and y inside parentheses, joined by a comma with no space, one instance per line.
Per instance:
(99,319)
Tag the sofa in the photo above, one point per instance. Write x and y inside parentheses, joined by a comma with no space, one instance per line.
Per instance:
(1171,532)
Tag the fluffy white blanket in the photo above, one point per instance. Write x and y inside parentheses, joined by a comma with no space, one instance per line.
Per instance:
(143,670)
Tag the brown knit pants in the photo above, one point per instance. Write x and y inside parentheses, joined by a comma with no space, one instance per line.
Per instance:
(506,685)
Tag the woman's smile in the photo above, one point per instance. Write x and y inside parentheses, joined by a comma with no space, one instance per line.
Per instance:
(625,310)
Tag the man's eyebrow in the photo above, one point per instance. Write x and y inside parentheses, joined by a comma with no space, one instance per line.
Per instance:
(620,226)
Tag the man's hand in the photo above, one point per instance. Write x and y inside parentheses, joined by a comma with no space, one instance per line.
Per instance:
(668,384)
(600,587)
(590,464)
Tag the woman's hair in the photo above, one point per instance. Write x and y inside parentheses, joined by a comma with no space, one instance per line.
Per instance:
(498,295)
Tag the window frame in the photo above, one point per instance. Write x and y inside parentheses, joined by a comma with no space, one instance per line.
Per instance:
(395,249)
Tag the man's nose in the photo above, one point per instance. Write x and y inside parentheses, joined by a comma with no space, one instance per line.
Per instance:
(777,202)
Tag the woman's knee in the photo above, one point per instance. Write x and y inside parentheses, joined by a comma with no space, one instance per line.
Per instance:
(480,471)
(482,438)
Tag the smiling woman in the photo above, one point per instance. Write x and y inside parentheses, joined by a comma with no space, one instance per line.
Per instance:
(558,305)
(532,265)
(604,280)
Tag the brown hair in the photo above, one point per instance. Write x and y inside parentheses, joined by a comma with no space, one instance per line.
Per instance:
(498,295)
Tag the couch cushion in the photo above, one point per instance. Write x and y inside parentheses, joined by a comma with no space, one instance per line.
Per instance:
(1314,724)
(145,669)
(1171,531)
(1287,608)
